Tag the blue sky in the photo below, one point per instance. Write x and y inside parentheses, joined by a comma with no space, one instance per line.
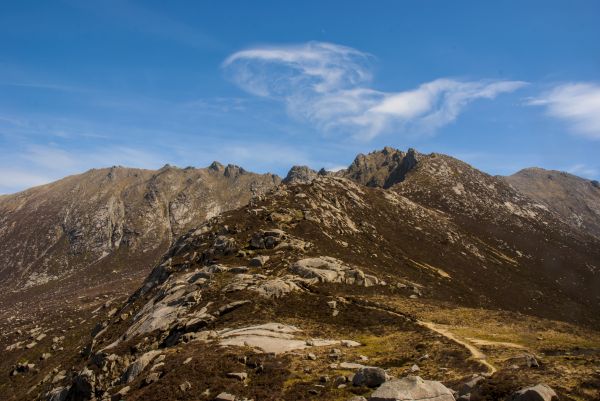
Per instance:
(268,84)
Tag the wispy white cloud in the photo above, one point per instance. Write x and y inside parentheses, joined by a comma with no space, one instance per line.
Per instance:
(13,179)
(41,164)
(578,104)
(328,85)
(583,170)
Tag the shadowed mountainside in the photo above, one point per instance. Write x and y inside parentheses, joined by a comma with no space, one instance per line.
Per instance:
(106,226)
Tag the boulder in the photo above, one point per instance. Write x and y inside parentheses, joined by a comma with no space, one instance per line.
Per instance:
(238,270)
(267,239)
(241,376)
(412,388)
(540,392)
(524,361)
(225,397)
(258,261)
(469,385)
(276,288)
(185,386)
(84,385)
(369,376)
(225,245)
(326,269)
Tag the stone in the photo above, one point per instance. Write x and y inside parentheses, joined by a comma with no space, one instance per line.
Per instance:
(357,398)
(326,269)
(258,261)
(338,380)
(225,245)
(238,269)
(524,361)
(241,376)
(273,338)
(369,376)
(83,385)
(59,376)
(225,397)
(185,386)
(188,360)
(231,307)
(351,365)
(152,378)
(414,368)
(276,288)
(469,385)
(311,356)
(350,343)
(123,391)
(267,239)
(540,392)
(412,388)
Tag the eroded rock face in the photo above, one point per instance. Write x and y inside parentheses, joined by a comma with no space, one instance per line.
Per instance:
(138,366)
(412,388)
(381,168)
(540,392)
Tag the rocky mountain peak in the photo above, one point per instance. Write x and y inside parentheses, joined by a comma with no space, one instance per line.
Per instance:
(382,168)
(233,171)
(216,166)
(300,174)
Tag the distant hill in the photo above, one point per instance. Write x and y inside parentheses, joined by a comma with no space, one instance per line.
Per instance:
(95,229)
(574,198)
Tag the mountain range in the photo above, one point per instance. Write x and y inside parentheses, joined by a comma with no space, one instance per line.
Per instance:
(216,282)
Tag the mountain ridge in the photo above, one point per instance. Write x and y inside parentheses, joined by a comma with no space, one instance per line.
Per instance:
(404,259)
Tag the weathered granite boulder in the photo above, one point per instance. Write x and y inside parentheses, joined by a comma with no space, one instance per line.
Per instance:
(412,388)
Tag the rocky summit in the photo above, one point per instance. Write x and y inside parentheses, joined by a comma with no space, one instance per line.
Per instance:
(406,276)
